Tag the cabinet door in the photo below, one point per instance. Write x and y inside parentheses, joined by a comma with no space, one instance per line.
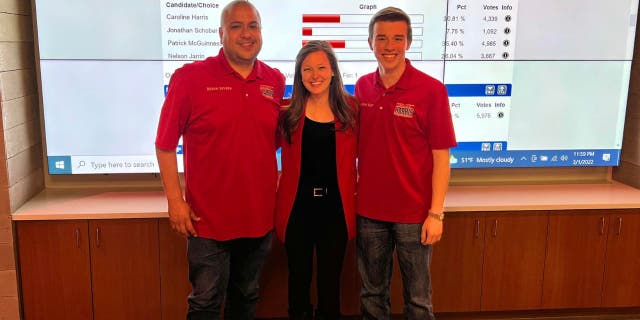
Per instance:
(456,264)
(622,276)
(174,273)
(54,269)
(575,259)
(124,264)
(514,261)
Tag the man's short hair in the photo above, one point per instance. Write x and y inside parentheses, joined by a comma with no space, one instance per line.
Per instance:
(391,14)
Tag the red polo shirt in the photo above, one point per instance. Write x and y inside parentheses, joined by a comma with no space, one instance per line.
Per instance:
(228,127)
(399,127)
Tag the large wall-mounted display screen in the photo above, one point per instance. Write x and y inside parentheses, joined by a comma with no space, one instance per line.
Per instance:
(532,83)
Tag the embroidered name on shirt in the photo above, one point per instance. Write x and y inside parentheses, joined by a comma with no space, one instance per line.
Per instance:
(267,91)
(366,105)
(404,110)
(219,89)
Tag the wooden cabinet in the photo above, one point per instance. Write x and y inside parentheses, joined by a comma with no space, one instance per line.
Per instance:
(108,268)
(484,262)
(124,269)
(622,264)
(489,262)
(456,264)
(137,268)
(174,273)
(593,259)
(514,257)
(55,270)
(575,259)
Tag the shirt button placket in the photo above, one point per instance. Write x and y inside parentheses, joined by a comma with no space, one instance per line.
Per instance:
(245,89)
(384,94)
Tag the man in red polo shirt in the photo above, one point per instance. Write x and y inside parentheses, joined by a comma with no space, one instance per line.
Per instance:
(403,161)
(225,108)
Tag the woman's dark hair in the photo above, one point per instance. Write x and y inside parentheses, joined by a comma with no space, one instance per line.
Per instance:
(339,98)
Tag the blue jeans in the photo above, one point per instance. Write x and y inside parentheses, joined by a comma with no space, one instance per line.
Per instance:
(375,242)
(225,269)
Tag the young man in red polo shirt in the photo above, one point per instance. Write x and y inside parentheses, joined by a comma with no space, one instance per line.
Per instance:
(225,108)
(403,161)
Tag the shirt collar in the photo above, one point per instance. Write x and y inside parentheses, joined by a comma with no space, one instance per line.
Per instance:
(226,68)
(405,79)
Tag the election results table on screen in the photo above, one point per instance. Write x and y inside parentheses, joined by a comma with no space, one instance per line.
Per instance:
(527,80)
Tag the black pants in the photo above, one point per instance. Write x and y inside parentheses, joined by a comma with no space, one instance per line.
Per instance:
(316,222)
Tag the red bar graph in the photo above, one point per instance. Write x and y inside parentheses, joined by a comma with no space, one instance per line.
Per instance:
(347,34)
(336,44)
(321,18)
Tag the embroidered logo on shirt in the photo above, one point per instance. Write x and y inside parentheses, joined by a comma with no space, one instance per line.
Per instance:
(366,105)
(267,91)
(219,89)
(404,110)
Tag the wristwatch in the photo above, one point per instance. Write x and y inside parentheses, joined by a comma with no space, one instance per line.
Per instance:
(437,216)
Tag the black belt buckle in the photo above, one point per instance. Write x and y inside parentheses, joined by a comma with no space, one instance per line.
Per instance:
(319,192)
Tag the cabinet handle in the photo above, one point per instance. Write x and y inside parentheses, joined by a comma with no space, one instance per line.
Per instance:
(495,227)
(98,237)
(476,232)
(601,225)
(619,226)
(77,238)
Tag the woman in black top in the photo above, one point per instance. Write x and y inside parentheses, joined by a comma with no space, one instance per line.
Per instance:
(315,207)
